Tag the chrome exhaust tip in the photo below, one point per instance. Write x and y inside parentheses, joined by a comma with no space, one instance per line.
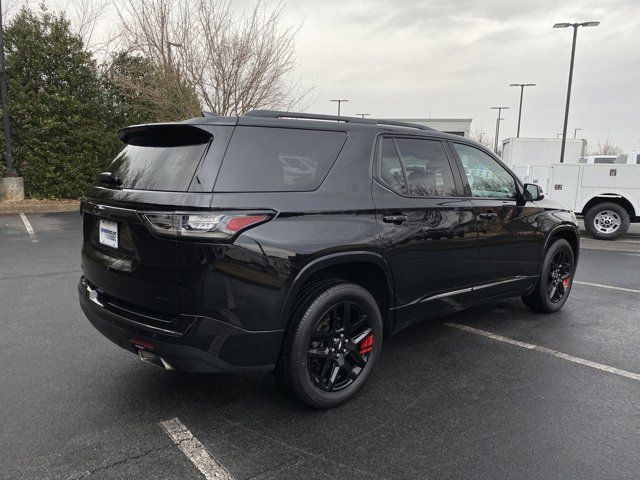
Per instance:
(149,357)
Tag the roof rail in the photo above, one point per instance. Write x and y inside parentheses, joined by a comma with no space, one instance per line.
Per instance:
(335,118)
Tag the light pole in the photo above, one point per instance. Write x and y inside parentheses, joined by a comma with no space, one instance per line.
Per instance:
(363,114)
(495,145)
(573,55)
(521,85)
(575,132)
(339,100)
(5,103)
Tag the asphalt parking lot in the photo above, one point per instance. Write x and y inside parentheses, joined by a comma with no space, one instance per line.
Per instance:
(517,395)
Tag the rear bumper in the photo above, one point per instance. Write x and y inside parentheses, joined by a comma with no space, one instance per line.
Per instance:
(198,344)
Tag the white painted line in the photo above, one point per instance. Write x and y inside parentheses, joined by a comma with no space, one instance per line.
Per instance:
(611,287)
(194,450)
(538,348)
(27,225)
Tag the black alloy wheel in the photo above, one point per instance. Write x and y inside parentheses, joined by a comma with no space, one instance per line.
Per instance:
(332,344)
(556,278)
(339,346)
(559,276)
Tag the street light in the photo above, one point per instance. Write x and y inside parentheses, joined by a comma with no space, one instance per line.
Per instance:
(495,147)
(363,114)
(339,100)
(521,85)
(573,55)
(575,132)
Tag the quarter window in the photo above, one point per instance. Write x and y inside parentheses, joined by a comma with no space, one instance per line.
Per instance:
(426,168)
(391,170)
(486,177)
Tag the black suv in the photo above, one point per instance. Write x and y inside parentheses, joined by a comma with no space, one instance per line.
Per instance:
(295,243)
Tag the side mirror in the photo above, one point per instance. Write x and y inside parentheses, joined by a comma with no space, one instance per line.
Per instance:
(532,192)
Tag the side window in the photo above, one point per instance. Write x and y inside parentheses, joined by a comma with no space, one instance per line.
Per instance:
(390,167)
(427,168)
(486,177)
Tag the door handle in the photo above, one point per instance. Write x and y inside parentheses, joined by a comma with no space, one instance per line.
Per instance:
(397,219)
(488,216)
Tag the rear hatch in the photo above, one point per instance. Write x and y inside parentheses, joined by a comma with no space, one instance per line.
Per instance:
(130,266)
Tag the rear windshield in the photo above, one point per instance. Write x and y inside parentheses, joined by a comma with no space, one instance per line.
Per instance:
(261,159)
(157,168)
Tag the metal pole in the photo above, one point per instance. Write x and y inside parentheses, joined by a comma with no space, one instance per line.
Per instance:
(5,103)
(520,110)
(495,145)
(497,132)
(339,101)
(566,110)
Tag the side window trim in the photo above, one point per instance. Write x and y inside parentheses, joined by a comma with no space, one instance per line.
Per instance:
(451,158)
(467,187)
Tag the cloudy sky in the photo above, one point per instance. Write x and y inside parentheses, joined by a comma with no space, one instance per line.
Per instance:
(456,58)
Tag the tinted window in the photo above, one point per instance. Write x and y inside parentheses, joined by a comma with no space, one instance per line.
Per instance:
(390,167)
(157,168)
(486,177)
(261,159)
(427,168)
(604,160)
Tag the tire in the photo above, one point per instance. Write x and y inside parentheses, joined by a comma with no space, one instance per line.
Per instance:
(307,364)
(607,221)
(558,269)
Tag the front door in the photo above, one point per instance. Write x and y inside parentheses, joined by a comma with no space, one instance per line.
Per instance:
(427,230)
(510,241)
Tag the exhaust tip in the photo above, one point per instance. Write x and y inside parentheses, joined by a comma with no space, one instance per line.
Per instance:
(149,357)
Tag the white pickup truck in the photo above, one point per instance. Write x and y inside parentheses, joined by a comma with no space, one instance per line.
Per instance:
(607,195)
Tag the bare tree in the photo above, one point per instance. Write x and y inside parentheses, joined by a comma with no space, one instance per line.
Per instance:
(607,148)
(234,61)
(481,137)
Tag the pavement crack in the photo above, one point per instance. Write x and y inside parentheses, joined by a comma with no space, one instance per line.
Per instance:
(120,462)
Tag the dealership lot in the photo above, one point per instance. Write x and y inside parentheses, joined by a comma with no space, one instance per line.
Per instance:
(551,396)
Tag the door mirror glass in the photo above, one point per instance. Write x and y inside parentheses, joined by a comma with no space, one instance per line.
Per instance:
(533,192)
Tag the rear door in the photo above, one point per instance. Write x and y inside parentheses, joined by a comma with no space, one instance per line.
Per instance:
(510,239)
(427,230)
(157,171)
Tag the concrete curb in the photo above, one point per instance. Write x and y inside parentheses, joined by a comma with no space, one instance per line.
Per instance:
(32,206)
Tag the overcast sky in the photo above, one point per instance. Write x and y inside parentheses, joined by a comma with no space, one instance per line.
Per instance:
(456,58)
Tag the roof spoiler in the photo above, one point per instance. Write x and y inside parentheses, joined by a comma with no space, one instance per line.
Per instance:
(164,135)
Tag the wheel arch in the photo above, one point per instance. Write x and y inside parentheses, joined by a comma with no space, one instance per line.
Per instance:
(368,269)
(567,232)
(629,205)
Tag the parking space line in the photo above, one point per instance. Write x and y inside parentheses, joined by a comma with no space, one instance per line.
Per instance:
(555,353)
(611,287)
(194,450)
(27,225)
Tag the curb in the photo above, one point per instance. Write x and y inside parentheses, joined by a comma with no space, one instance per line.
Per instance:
(29,207)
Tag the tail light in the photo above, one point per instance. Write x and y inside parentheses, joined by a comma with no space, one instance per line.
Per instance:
(217,225)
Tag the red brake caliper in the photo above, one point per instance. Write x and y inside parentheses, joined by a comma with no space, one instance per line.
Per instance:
(565,282)
(366,345)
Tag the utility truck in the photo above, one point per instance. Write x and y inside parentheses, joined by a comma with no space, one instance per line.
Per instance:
(606,194)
